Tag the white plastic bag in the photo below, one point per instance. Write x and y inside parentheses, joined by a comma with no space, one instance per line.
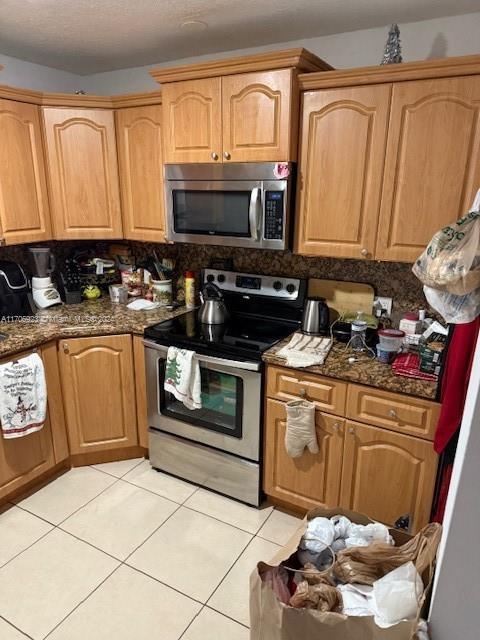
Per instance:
(454,309)
(451,260)
(397,595)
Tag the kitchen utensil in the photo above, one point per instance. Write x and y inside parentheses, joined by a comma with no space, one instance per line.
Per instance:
(316,317)
(342,297)
(213,309)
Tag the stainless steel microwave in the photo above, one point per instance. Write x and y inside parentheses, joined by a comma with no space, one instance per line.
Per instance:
(238,204)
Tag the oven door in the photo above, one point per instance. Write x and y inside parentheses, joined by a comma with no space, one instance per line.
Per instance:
(229,419)
(215,212)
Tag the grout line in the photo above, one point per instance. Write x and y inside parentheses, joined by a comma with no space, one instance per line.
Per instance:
(223,521)
(16,628)
(159,495)
(191,622)
(225,615)
(30,545)
(164,584)
(81,602)
(92,466)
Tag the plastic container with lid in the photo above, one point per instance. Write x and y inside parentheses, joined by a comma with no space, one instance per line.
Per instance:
(386,355)
(391,339)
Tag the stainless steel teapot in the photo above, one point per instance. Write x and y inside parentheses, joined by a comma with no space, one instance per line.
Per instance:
(213,309)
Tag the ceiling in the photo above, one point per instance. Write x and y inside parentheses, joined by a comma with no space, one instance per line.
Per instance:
(89,36)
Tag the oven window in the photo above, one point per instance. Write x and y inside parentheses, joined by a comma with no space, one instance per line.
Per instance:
(218,213)
(222,403)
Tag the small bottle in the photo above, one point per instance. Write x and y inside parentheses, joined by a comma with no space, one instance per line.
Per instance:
(190,289)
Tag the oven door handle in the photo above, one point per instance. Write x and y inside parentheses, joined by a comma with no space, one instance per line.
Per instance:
(233,364)
(254,213)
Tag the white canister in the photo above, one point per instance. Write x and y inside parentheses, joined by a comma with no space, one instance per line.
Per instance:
(118,293)
(162,292)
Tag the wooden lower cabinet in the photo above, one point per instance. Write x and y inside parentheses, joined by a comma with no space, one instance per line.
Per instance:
(312,479)
(24,459)
(387,475)
(99,393)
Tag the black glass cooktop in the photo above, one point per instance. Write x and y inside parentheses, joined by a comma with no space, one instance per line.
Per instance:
(245,337)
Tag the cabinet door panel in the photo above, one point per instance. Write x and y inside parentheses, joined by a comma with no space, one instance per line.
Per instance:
(140,155)
(311,479)
(432,167)
(387,475)
(83,173)
(257,116)
(341,166)
(192,113)
(24,459)
(99,392)
(24,210)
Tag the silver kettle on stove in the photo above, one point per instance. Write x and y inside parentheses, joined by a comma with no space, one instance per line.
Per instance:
(213,309)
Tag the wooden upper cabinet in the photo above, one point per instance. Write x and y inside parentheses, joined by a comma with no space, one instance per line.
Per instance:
(99,392)
(83,174)
(140,157)
(312,479)
(341,167)
(387,475)
(193,120)
(432,167)
(24,210)
(257,117)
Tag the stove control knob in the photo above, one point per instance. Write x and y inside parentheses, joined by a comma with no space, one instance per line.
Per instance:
(277,285)
(290,288)
(221,277)
(210,277)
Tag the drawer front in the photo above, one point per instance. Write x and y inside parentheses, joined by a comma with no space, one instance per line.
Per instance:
(393,411)
(291,384)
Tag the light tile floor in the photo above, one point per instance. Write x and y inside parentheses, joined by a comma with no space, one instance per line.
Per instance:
(121,551)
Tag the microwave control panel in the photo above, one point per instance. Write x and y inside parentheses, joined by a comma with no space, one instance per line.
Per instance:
(274,215)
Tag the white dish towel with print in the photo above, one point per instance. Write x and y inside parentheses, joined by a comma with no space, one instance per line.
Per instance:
(23,396)
(305,351)
(182,377)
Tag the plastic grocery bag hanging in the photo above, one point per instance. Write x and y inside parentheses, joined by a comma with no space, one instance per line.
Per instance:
(450,268)
(451,260)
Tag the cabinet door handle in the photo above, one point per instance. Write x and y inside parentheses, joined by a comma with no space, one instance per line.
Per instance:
(364,252)
(3,242)
(226,155)
(392,413)
(336,427)
(302,393)
(351,430)
(66,348)
(214,155)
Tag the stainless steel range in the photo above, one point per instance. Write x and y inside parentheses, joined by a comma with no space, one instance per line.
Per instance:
(219,445)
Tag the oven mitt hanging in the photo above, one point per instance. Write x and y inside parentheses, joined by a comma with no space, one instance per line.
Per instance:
(300,431)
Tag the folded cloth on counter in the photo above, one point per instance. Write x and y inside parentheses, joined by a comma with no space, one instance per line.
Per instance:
(23,396)
(305,351)
(300,432)
(408,365)
(182,377)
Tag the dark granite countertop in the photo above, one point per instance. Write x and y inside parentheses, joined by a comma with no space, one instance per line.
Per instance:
(89,318)
(365,370)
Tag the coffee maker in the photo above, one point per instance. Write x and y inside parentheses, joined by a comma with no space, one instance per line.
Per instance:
(44,292)
(15,297)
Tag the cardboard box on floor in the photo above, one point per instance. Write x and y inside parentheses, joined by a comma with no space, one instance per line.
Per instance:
(272,620)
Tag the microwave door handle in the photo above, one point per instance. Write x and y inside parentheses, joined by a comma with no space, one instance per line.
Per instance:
(255,213)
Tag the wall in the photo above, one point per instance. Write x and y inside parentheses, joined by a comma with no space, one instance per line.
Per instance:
(454,610)
(451,36)
(18,73)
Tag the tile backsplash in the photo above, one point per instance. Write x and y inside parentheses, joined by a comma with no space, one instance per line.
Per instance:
(392,279)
